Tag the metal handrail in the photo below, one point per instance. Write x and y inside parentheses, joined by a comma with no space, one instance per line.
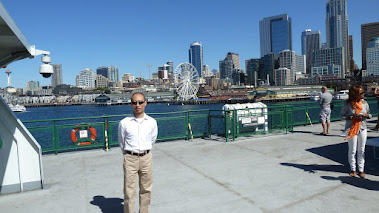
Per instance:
(54,137)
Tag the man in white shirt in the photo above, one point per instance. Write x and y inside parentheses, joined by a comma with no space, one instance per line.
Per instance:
(136,135)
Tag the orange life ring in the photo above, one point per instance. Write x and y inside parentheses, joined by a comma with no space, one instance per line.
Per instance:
(75,139)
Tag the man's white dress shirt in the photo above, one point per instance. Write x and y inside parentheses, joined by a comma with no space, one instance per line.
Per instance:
(137,134)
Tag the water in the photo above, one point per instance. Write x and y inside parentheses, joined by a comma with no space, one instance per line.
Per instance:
(39,113)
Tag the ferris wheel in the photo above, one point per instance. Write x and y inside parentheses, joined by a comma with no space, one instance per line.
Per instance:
(187,81)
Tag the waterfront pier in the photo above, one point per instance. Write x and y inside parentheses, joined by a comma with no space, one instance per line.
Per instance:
(295,172)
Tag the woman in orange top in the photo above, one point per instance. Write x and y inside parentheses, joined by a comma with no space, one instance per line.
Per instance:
(356,111)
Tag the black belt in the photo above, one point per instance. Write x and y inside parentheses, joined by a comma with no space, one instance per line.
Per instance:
(137,154)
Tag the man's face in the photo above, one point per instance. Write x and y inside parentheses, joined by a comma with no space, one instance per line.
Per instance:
(323,89)
(138,104)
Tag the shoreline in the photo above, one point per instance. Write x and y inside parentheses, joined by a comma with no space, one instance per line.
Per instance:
(176,102)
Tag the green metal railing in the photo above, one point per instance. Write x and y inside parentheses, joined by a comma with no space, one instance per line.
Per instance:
(55,135)
(308,112)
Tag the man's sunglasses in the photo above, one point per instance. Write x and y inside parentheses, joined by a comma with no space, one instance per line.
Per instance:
(139,102)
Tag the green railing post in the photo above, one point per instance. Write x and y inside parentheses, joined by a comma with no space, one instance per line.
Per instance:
(209,124)
(286,118)
(109,131)
(282,118)
(104,130)
(189,126)
(106,140)
(186,125)
(235,125)
(55,143)
(226,121)
(292,119)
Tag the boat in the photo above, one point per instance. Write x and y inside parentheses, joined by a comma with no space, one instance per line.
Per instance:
(342,95)
(17,108)
(314,97)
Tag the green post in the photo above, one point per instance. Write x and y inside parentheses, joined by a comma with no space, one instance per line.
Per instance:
(186,125)
(286,118)
(190,132)
(55,143)
(226,121)
(109,130)
(235,125)
(291,117)
(209,124)
(104,130)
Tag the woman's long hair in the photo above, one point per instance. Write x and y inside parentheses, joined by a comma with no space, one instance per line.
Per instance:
(354,93)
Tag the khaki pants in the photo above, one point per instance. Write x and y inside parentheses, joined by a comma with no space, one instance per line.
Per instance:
(142,167)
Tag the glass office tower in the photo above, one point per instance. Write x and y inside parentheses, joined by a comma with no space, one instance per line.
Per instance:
(368,31)
(337,28)
(275,34)
(196,56)
(310,41)
(372,57)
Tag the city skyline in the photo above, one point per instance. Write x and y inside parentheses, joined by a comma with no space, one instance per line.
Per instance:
(136,38)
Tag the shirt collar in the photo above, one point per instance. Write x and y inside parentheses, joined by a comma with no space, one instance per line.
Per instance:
(144,117)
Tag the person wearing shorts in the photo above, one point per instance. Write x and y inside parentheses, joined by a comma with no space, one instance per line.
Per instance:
(325,100)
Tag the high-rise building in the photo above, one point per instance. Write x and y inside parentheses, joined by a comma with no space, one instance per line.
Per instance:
(337,34)
(102,71)
(33,84)
(196,56)
(231,62)
(351,54)
(238,76)
(128,77)
(330,57)
(326,70)
(267,66)
(301,62)
(226,68)
(368,31)
(56,77)
(310,41)
(86,78)
(163,71)
(372,57)
(113,74)
(102,82)
(170,69)
(275,34)
(109,72)
(206,71)
(287,59)
(235,58)
(164,67)
(163,74)
(282,77)
(252,69)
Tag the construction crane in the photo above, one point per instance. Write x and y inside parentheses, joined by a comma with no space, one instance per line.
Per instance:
(149,69)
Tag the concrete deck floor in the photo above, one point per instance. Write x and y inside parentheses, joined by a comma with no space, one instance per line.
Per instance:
(299,172)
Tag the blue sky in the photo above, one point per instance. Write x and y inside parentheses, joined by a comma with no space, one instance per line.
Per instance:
(131,34)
